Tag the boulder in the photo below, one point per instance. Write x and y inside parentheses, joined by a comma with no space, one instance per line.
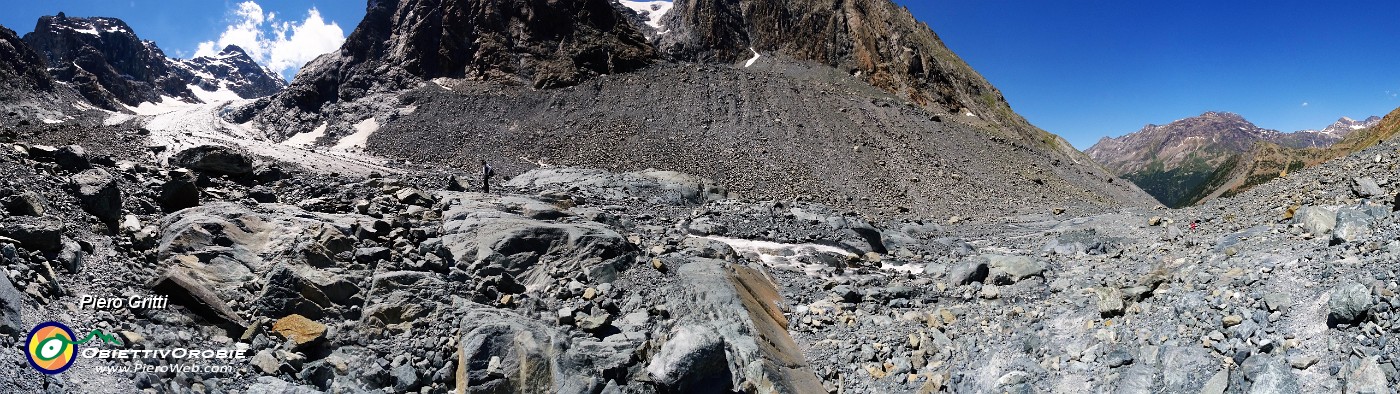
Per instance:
(1269,375)
(692,360)
(1368,378)
(214,159)
(185,290)
(45,234)
(302,332)
(1316,220)
(411,196)
(1011,269)
(968,271)
(98,194)
(11,306)
(524,354)
(1351,225)
(26,203)
(1348,303)
(287,292)
(1366,187)
(72,158)
(179,192)
(738,306)
(1110,301)
(490,243)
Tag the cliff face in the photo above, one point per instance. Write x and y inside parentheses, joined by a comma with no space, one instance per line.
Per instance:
(20,68)
(105,60)
(875,40)
(540,43)
(28,94)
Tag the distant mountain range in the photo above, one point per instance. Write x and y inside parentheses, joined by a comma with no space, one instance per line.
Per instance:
(110,67)
(1190,160)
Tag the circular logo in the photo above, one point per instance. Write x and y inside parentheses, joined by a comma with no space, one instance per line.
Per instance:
(50,347)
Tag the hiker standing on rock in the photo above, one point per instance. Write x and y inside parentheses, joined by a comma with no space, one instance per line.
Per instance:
(486,173)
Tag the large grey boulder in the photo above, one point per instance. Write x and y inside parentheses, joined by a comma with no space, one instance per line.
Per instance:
(179,192)
(1269,375)
(491,243)
(504,352)
(737,306)
(45,234)
(692,360)
(1352,224)
(1348,303)
(220,160)
(11,305)
(72,158)
(1368,378)
(1366,187)
(224,246)
(98,194)
(1011,269)
(967,271)
(1316,220)
(25,203)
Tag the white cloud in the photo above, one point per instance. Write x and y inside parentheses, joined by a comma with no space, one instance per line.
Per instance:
(1305,103)
(283,46)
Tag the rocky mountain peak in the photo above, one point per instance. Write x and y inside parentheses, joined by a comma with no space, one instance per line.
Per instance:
(231,74)
(105,60)
(1347,125)
(1223,115)
(28,94)
(233,50)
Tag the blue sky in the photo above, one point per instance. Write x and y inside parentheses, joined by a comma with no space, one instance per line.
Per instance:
(1086,69)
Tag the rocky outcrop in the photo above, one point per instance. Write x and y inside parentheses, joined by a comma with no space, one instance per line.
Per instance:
(105,60)
(21,69)
(400,43)
(876,41)
(28,94)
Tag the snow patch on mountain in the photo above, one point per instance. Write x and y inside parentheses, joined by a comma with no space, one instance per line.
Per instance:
(651,10)
(222,94)
(302,140)
(356,142)
(752,59)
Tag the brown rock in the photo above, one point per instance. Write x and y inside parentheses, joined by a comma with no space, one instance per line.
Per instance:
(300,330)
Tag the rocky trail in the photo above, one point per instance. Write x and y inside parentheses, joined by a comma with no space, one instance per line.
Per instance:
(581,280)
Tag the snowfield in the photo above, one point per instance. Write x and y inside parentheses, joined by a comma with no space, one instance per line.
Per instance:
(176,126)
(652,10)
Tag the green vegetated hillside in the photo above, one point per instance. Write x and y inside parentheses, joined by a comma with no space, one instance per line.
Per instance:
(1219,154)
(1179,186)
(1268,161)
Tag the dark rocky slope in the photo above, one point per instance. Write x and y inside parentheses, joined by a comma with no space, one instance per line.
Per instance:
(776,132)
(695,105)
(28,94)
(404,42)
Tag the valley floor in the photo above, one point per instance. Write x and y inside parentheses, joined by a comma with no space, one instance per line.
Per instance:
(354,275)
